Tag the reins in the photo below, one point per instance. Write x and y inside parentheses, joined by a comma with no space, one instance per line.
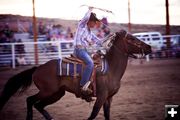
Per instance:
(126,51)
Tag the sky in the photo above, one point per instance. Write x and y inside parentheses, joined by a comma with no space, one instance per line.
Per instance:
(142,11)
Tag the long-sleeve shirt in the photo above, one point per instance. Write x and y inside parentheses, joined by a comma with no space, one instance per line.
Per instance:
(84,35)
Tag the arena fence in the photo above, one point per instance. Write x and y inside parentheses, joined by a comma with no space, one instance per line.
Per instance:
(13,53)
(23,53)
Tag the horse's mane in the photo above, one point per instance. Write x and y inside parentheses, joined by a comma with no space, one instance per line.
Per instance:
(118,35)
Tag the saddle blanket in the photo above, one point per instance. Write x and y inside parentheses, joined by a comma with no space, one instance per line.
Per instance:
(76,69)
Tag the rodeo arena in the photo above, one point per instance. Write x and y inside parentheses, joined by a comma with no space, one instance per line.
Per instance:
(136,74)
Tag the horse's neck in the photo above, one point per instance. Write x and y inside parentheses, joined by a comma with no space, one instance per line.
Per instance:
(117,65)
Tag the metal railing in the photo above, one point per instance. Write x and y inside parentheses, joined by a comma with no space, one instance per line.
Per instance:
(47,50)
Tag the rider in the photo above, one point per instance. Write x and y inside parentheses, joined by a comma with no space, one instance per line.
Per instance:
(83,39)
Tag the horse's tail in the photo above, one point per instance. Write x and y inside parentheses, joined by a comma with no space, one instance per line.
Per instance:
(20,81)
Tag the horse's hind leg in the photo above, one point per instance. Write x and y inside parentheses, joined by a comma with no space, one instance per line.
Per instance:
(30,102)
(50,100)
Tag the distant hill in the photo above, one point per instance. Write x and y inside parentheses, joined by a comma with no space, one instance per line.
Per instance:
(25,21)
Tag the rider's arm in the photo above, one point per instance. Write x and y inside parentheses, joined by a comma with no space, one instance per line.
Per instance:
(96,40)
(85,19)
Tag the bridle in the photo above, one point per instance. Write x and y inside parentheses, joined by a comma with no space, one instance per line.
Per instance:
(110,43)
(137,44)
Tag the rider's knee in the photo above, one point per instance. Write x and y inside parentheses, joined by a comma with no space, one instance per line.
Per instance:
(90,65)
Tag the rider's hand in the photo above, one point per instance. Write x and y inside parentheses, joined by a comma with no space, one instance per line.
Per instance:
(91,8)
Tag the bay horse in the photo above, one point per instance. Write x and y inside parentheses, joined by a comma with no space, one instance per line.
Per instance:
(52,87)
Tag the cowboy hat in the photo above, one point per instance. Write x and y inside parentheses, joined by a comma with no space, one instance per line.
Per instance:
(93,17)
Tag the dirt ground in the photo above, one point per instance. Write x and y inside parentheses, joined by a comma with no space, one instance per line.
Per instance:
(145,90)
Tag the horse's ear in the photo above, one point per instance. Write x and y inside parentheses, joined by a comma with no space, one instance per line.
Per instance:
(121,33)
(117,34)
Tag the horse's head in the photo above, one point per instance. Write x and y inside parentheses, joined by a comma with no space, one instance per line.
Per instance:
(128,44)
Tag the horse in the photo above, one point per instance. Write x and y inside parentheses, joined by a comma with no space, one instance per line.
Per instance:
(52,87)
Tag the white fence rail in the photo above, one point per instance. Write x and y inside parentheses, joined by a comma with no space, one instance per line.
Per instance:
(47,50)
(10,52)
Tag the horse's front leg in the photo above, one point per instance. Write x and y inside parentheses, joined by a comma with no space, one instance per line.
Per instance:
(106,108)
(97,106)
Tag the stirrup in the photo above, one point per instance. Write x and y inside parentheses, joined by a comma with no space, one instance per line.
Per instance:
(85,87)
(86,92)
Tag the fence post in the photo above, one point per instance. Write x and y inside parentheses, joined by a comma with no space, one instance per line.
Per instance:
(59,50)
(13,56)
(147,58)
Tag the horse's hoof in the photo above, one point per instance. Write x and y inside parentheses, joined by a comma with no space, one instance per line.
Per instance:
(89,99)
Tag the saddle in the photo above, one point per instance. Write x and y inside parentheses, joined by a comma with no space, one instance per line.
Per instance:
(76,61)
(74,67)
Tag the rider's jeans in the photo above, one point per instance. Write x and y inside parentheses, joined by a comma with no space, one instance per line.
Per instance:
(83,55)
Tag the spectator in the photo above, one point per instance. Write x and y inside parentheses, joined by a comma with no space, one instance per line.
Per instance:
(69,36)
(105,22)
(7,30)
(20,48)
(3,38)
(41,28)
(21,60)
(69,30)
